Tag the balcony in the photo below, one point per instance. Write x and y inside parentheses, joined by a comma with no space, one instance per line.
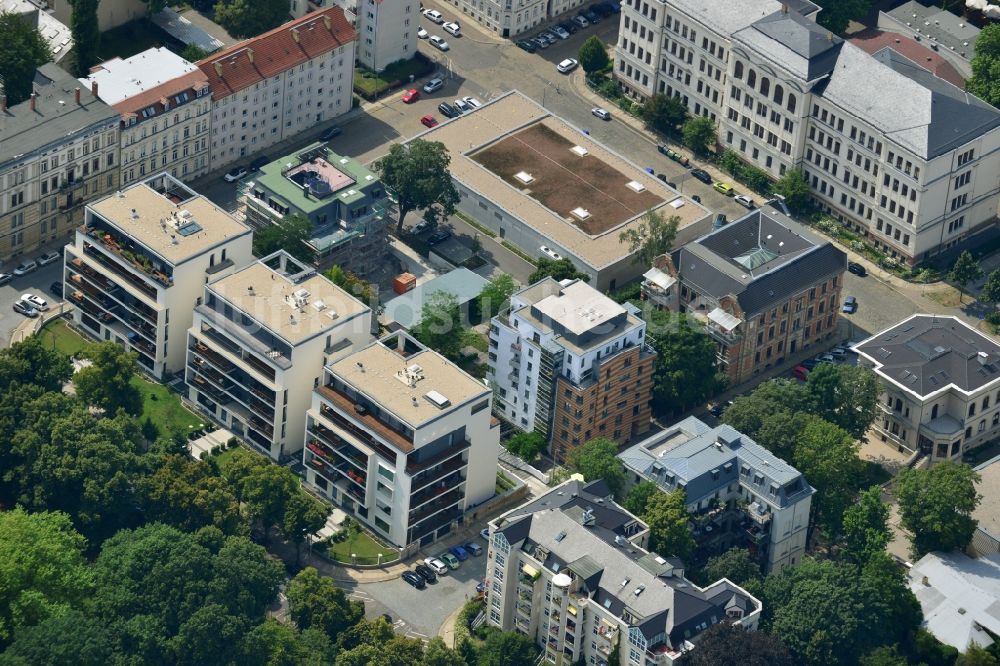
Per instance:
(209,355)
(71,184)
(433,523)
(366,419)
(213,392)
(455,480)
(129,255)
(430,476)
(757,535)
(447,500)
(342,451)
(728,338)
(260,425)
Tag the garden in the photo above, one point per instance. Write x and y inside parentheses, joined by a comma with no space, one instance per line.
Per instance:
(371,85)
(352,545)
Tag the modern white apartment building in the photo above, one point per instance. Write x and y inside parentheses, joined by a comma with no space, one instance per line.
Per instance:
(258,345)
(140,262)
(739,494)
(279,84)
(403,440)
(570,363)
(166,108)
(570,570)
(940,381)
(387,29)
(901,156)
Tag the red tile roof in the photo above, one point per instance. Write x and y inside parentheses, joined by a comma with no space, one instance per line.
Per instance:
(873,41)
(274,52)
(191,83)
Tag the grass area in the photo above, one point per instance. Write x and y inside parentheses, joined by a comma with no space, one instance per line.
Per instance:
(504,483)
(164,408)
(369,84)
(475,340)
(364,546)
(57,335)
(132,38)
(948,296)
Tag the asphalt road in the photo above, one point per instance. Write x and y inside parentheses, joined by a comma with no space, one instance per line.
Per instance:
(34,283)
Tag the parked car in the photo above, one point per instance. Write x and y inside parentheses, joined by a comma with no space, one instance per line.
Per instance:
(436,565)
(422,34)
(434,85)
(438,43)
(56,288)
(717,410)
(450,560)
(411,96)
(434,16)
(720,221)
(459,552)
(36,302)
(825,358)
(473,549)
(421,226)
(427,573)
(439,237)
(448,111)
(668,183)
(235,174)
(567,65)
(725,188)
(414,579)
(485,533)
(569,27)
(838,352)
(48,257)
(550,252)
(560,32)
(745,201)
(541,42)
(809,363)
(25,267)
(480,587)
(472,102)
(462,106)
(856,268)
(581,21)
(428,121)
(601,113)
(549,35)
(387,618)
(799,372)
(702,175)
(453,29)
(5,278)
(695,198)
(25,308)
(527,45)
(259,161)
(331,133)
(592,16)
(850,305)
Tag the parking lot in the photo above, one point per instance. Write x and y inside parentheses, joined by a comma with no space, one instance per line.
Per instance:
(37,283)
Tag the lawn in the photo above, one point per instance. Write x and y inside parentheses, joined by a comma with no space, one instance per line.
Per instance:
(164,408)
(57,335)
(369,83)
(364,546)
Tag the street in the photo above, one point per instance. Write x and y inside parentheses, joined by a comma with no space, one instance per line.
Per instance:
(37,283)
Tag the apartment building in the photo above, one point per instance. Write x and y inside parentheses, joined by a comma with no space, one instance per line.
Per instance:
(58,149)
(139,264)
(403,440)
(739,494)
(951,35)
(571,571)
(258,344)
(764,286)
(165,104)
(510,19)
(387,29)
(568,362)
(279,84)
(940,382)
(346,203)
(915,168)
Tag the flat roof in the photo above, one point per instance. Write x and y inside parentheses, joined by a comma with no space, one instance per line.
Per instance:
(579,308)
(987,512)
(407,309)
(175,231)
(512,114)
(315,177)
(376,370)
(119,79)
(295,310)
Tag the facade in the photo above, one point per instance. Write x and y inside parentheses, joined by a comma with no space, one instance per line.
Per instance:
(402,440)
(140,262)
(949,34)
(739,494)
(510,19)
(570,363)
(765,287)
(345,202)
(166,107)
(258,344)
(57,150)
(387,29)
(986,538)
(940,381)
(110,13)
(577,211)
(571,571)
(279,84)
(916,169)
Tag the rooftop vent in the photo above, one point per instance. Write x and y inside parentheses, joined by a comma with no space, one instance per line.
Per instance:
(983,358)
(410,375)
(635,186)
(660,560)
(639,590)
(580,213)
(560,537)
(578,150)
(437,399)
(319,305)
(524,177)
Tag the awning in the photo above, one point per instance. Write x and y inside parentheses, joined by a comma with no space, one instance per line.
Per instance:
(659,278)
(571,609)
(529,570)
(724,319)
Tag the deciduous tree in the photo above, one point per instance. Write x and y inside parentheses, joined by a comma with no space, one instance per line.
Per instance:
(725,644)
(593,55)
(965,270)
(86,35)
(29,362)
(669,529)
(936,505)
(837,14)
(507,648)
(828,457)
(653,236)
(845,395)
(249,18)
(985,81)
(794,188)
(23,49)
(526,445)
(317,602)
(184,493)
(598,459)
(866,526)
(304,515)
(267,492)
(685,371)
(734,564)
(557,269)
(440,326)
(71,638)
(290,235)
(417,173)
(107,381)
(664,112)
(495,296)
(638,497)
(990,292)
(699,134)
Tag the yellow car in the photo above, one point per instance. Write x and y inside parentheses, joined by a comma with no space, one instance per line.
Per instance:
(725,188)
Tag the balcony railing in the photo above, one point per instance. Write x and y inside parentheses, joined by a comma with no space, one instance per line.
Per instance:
(431,476)
(446,501)
(139,261)
(414,468)
(213,357)
(347,406)
(455,480)
(121,271)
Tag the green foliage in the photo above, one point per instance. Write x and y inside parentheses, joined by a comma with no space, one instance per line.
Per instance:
(304,515)
(887,655)
(630,293)
(756,178)
(685,372)
(558,269)
(638,497)
(249,18)
(828,457)
(667,517)
(598,459)
(976,656)
(192,53)
(86,35)
(290,235)
(844,395)
(726,644)
(698,134)
(936,506)
(654,236)
(22,50)
(29,362)
(440,326)
(354,285)
(526,445)
(985,81)
(664,113)
(866,526)
(990,292)
(495,296)
(965,270)
(417,173)
(267,491)
(317,602)
(438,654)
(794,187)
(185,494)
(507,648)
(836,14)
(593,55)
(71,638)
(107,382)
(734,564)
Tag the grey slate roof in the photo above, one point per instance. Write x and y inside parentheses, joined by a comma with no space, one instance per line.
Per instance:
(793,42)
(56,115)
(927,353)
(935,25)
(800,258)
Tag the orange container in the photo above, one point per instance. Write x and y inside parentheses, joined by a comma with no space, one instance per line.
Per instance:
(404,283)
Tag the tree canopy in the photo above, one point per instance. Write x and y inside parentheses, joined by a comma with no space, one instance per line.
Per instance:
(23,49)
(495,296)
(317,603)
(638,497)
(965,270)
(290,235)
(417,173)
(736,564)
(597,459)
(866,526)
(249,18)
(107,382)
(699,134)
(725,644)
(936,505)
(836,14)
(440,326)
(664,112)
(669,530)
(985,81)
(653,236)
(526,445)
(794,188)
(593,55)
(685,371)
(558,269)
(86,35)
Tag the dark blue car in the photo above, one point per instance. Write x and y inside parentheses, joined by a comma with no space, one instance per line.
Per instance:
(459,552)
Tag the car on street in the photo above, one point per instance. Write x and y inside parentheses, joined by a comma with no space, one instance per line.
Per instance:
(438,43)
(485,533)
(259,161)
(459,552)
(809,363)
(725,188)
(448,111)
(25,267)
(434,16)
(462,106)
(850,305)
(549,35)
(745,200)
(720,221)
(5,278)
(668,183)
(702,175)
(436,565)
(601,113)
(592,16)
(48,257)
(472,102)
(235,174)
(425,571)
(856,268)
(473,549)
(695,198)
(439,237)
(541,42)
(428,121)
(799,372)
(550,252)
(838,352)
(422,34)
(717,410)
(331,133)
(567,65)
(581,21)
(527,45)
(414,579)
(411,96)
(36,302)
(569,27)
(825,358)
(421,226)
(450,560)
(434,85)
(453,29)
(55,288)
(560,32)
(25,308)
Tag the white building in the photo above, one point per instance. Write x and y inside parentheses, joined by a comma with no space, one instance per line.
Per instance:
(739,494)
(279,84)
(258,345)
(915,167)
(570,571)
(403,440)
(166,107)
(139,264)
(387,29)
(940,381)
(508,18)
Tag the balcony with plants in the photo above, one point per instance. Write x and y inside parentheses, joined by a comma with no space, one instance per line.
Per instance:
(130,253)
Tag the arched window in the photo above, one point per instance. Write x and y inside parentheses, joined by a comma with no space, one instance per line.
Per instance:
(791,103)
(751,78)
(779,94)
(765,86)
(739,70)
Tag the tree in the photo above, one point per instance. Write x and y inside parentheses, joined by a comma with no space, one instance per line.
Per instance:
(86,35)
(976,656)
(72,638)
(844,395)
(184,493)
(638,497)
(23,49)
(42,569)
(507,648)
(963,271)
(985,81)
(354,285)
(557,269)
(593,55)
(440,326)
(990,293)
(495,296)
(192,53)
(304,515)
(29,362)
(267,491)
(794,188)
(107,382)
(725,644)
(731,162)
(667,517)
(827,456)
(316,602)
(836,14)
(749,412)
(664,112)
(936,505)
(210,636)
(438,654)
(654,236)
(249,18)
(417,173)
(598,459)
(866,526)
(699,134)
(245,579)
(154,7)
(685,372)
(275,643)
(887,655)
(526,445)
(734,564)
(290,234)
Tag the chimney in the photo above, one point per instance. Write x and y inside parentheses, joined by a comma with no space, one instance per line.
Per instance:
(33,96)
(250,55)
(784,9)
(77,93)
(218,69)
(295,35)
(326,21)
(93,88)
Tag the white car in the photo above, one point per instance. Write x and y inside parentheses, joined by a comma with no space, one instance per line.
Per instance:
(434,85)
(28,266)
(603,114)
(453,29)
(461,105)
(235,174)
(422,34)
(48,258)
(826,358)
(472,102)
(550,252)
(5,278)
(439,43)
(436,565)
(745,201)
(36,302)
(485,533)
(434,16)
(421,226)
(560,32)
(567,65)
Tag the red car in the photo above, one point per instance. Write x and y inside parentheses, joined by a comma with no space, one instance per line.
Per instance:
(429,121)
(411,96)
